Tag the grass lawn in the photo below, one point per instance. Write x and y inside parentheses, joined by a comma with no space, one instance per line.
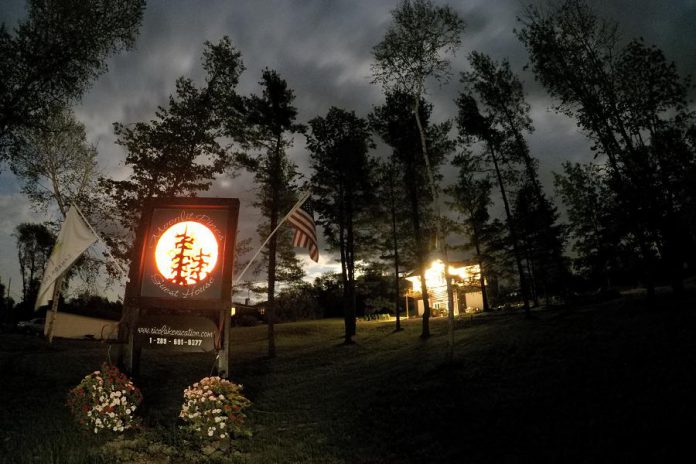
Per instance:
(608,382)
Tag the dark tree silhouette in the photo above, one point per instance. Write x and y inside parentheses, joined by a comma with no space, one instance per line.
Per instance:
(177,154)
(270,127)
(342,185)
(52,56)
(632,103)
(34,245)
(395,124)
(414,49)
(471,196)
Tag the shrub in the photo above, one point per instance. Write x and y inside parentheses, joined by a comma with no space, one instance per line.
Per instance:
(105,400)
(213,410)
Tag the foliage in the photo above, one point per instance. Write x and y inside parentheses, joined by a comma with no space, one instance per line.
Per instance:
(413,46)
(492,111)
(105,400)
(471,198)
(51,57)
(414,49)
(328,291)
(342,183)
(213,410)
(297,302)
(631,102)
(269,127)
(395,124)
(34,245)
(590,205)
(177,154)
(390,223)
(56,165)
(58,168)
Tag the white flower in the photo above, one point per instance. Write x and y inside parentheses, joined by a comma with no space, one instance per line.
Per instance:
(222,435)
(210,433)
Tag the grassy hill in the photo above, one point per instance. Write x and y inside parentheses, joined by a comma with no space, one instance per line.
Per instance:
(607,382)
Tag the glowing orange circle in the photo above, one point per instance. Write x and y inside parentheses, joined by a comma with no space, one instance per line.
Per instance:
(186,253)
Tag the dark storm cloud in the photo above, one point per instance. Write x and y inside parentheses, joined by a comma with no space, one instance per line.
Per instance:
(323,48)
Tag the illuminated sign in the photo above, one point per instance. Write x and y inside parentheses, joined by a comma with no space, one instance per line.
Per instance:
(187,248)
(186,253)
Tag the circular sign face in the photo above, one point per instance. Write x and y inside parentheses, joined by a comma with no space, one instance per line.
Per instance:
(186,253)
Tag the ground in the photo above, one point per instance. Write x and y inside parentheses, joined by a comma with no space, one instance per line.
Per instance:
(606,382)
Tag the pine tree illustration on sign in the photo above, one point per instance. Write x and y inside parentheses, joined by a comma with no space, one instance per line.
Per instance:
(181,261)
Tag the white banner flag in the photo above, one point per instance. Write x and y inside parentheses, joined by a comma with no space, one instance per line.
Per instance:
(74,238)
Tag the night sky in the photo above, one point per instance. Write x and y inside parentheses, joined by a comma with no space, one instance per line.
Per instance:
(323,48)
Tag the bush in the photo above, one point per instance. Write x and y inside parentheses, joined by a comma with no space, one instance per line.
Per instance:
(213,410)
(245,320)
(105,400)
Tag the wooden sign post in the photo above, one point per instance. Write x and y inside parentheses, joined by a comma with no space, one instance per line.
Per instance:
(179,290)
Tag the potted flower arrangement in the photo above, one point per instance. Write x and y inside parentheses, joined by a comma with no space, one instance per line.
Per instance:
(105,400)
(213,410)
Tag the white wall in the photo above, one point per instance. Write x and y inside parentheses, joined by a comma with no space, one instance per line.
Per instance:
(474,300)
(74,326)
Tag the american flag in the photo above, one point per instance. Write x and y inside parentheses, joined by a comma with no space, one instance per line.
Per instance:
(305,230)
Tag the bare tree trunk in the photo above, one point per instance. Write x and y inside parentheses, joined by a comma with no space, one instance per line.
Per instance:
(477,246)
(272,250)
(513,234)
(395,244)
(440,239)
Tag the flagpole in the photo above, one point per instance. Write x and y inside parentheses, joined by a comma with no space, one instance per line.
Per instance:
(58,283)
(106,250)
(302,199)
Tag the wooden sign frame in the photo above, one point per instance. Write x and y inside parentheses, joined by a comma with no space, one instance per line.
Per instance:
(226,254)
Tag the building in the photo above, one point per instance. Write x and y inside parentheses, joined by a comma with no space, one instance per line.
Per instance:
(466,288)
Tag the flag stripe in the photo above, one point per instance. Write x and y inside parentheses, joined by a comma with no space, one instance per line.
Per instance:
(305,232)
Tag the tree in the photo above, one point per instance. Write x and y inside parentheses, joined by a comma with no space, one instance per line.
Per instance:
(56,165)
(390,223)
(632,104)
(270,127)
(6,303)
(58,168)
(500,93)
(471,197)
(34,245)
(593,226)
(177,154)
(395,124)
(50,58)
(342,185)
(475,126)
(414,49)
